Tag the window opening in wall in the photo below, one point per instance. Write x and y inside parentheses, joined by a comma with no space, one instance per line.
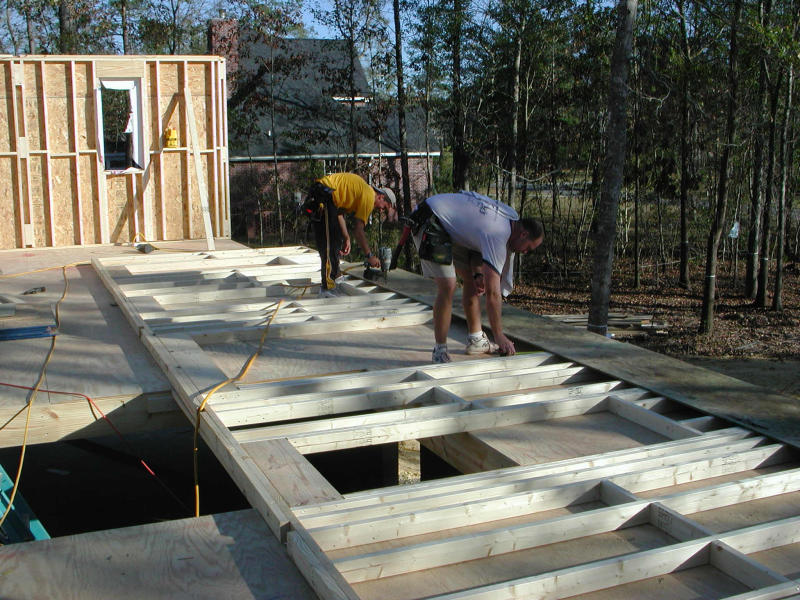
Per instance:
(121,127)
(335,165)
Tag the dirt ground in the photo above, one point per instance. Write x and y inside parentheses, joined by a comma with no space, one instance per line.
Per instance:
(758,345)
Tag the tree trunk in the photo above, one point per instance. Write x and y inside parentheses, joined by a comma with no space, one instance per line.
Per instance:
(763,265)
(683,278)
(11,34)
(512,159)
(756,194)
(274,136)
(460,160)
(709,287)
(428,163)
(351,53)
(126,43)
(67,35)
(401,111)
(777,299)
(614,168)
(31,31)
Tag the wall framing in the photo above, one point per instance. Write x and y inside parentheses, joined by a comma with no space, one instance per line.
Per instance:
(54,188)
(675,499)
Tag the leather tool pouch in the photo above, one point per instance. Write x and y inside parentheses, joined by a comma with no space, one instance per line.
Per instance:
(314,204)
(435,244)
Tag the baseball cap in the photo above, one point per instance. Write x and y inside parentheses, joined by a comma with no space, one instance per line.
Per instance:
(389,195)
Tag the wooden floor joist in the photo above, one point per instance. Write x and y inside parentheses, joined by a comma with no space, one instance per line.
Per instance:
(610,488)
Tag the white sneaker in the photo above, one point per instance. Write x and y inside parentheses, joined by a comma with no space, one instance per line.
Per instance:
(339,279)
(323,293)
(481,346)
(440,356)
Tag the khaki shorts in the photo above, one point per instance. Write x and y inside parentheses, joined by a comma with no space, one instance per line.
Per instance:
(464,259)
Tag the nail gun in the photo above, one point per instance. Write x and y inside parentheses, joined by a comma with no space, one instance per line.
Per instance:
(385,256)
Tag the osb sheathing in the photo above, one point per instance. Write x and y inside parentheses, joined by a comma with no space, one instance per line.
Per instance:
(53,189)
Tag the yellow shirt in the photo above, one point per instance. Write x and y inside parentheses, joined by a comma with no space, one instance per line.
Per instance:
(351,194)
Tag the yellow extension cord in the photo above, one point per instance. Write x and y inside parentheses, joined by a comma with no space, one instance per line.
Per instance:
(211,392)
(35,388)
(200,408)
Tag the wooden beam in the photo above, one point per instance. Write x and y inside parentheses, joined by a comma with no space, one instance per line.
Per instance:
(313,328)
(737,565)
(494,542)
(24,150)
(297,480)
(735,492)
(482,484)
(268,406)
(47,188)
(594,576)
(215,185)
(20,147)
(100,168)
(650,420)
(316,568)
(468,420)
(198,169)
(448,510)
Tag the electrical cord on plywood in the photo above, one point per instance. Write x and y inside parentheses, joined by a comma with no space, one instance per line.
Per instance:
(211,392)
(35,391)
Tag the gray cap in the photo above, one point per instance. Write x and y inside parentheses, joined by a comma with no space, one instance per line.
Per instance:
(389,195)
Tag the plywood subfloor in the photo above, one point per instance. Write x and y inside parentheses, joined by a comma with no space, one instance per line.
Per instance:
(229,555)
(343,352)
(97,353)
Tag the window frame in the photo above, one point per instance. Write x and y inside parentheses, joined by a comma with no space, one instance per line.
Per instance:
(134,87)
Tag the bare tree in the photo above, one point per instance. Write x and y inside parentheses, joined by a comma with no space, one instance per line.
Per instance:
(777,298)
(616,135)
(709,287)
(757,191)
(357,22)
(401,110)
(460,155)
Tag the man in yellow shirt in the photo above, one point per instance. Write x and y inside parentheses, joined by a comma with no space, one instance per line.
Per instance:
(328,200)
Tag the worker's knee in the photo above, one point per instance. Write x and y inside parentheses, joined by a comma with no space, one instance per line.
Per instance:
(446,286)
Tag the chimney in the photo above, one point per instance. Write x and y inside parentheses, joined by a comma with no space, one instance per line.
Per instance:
(223,40)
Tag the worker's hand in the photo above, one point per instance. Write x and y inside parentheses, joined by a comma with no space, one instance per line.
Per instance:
(374,262)
(345,247)
(506,345)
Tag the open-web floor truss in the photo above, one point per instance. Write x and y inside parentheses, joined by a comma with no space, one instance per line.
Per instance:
(574,483)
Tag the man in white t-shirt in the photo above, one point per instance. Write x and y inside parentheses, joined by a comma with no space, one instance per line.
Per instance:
(485,235)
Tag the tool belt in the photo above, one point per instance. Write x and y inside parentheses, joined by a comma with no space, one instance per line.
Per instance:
(435,244)
(314,205)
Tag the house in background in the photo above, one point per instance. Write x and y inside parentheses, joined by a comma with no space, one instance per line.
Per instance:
(307,134)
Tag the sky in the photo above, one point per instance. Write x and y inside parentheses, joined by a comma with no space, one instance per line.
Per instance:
(322,30)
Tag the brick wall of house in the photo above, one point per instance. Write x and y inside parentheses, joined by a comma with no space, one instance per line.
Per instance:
(252,184)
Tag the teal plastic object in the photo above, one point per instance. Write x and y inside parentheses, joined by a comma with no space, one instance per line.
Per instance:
(21,525)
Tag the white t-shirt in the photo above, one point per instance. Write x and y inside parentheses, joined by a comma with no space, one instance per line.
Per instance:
(479,223)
